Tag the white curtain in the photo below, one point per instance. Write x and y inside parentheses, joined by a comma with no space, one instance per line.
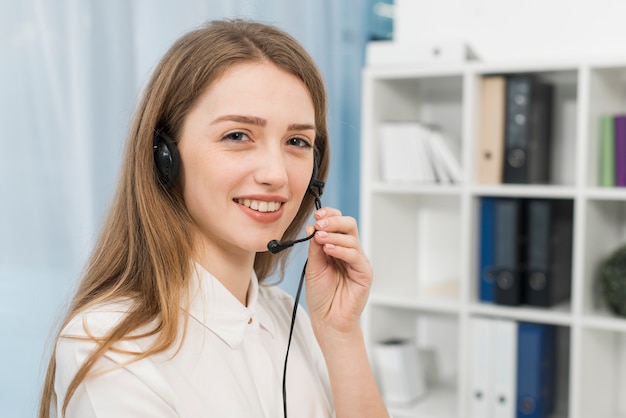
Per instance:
(70,75)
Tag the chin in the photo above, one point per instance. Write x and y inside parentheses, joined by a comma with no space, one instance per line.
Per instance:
(258,247)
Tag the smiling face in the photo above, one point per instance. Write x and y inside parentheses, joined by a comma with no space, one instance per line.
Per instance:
(247,157)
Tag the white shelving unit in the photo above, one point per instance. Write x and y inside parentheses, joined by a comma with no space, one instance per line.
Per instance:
(423,239)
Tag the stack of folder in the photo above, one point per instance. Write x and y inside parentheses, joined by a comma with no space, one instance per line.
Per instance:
(414,152)
(525,251)
(515,129)
(513,369)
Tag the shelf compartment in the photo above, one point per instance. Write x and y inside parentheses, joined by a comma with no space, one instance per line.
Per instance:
(561,232)
(605,231)
(607,95)
(493,333)
(437,338)
(602,375)
(563,122)
(414,244)
(434,101)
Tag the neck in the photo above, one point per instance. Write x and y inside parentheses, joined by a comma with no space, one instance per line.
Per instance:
(232,270)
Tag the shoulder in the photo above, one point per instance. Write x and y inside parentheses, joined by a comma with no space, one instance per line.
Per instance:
(80,336)
(96,321)
(117,376)
(84,332)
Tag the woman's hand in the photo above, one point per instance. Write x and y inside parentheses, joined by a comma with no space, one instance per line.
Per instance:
(339,275)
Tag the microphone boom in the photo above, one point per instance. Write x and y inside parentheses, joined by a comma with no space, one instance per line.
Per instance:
(275,246)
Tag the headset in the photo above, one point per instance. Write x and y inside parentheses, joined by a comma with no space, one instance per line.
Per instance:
(167,161)
(166,158)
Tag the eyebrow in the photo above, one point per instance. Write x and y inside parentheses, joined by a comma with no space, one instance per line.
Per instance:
(300,127)
(254,120)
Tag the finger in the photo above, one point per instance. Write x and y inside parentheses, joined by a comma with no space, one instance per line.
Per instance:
(337,239)
(325,212)
(338,224)
(338,231)
(353,257)
(345,248)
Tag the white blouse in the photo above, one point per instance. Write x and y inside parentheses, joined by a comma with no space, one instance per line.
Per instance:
(230,363)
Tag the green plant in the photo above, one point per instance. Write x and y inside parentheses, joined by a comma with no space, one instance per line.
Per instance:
(613,281)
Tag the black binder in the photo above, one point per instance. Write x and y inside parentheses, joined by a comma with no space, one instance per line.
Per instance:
(528,130)
(508,258)
(549,252)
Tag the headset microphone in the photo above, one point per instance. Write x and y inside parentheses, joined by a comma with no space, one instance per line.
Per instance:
(275,246)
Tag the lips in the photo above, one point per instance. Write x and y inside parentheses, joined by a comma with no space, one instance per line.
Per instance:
(259,205)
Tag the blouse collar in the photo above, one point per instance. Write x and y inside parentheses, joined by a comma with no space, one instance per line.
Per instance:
(212,304)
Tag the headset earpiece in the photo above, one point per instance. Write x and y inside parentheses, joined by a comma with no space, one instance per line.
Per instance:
(166,158)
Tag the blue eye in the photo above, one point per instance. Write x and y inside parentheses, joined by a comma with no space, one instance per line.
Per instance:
(299,142)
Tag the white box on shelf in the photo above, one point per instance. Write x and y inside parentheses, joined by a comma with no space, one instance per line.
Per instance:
(400,371)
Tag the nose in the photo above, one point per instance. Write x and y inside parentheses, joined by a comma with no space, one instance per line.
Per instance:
(272,168)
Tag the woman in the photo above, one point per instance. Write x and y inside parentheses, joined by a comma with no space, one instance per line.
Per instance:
(171,318)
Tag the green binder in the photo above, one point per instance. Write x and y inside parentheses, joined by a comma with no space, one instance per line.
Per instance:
(607,151)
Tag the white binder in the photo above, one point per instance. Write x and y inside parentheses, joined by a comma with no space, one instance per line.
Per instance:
(482,368)
(505,368)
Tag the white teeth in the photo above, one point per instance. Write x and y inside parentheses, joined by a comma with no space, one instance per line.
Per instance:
(259,205)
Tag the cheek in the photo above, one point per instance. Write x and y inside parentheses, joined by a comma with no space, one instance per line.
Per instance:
(200,183)
(299,176)
(302,187)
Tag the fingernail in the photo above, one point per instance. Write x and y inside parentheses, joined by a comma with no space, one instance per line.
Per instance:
(321,213)
(322,234)
(322,223)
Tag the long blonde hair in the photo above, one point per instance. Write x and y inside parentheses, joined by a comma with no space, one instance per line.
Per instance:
(143,250)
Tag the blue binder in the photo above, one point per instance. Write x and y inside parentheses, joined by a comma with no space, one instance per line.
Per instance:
(535,370)
(486,286)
